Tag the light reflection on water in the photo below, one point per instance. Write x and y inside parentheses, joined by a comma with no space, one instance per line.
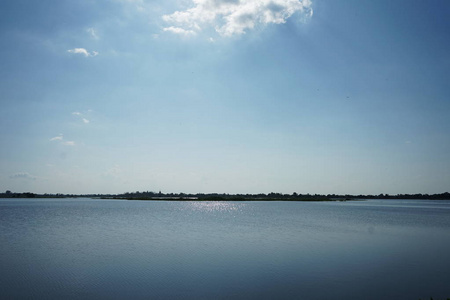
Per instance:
(215,206)
(94,249)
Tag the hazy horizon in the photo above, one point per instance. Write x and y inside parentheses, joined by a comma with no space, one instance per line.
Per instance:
(205,96)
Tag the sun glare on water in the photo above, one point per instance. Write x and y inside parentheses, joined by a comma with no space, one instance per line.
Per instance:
(215,206)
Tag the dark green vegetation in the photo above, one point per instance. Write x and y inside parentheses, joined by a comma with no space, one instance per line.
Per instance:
(229,197)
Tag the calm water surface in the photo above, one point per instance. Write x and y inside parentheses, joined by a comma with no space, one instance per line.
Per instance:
(113,249)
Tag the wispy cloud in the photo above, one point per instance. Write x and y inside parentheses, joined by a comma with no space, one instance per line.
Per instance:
(93,33)
(82,116)
(57,138)
(83,51)
(61,139)
(233,17)
(139,4)
(23,175)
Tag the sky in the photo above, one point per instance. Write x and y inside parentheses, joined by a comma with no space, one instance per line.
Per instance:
(226,96)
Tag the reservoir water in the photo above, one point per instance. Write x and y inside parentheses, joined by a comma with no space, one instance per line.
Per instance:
(118,249)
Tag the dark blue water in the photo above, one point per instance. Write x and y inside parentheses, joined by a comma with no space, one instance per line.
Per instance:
(112,249)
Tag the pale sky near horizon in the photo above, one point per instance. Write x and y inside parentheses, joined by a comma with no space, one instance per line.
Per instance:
(228,96)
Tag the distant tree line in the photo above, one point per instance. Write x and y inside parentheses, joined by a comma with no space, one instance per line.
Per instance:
(277,196)
(148,195)
(9,194)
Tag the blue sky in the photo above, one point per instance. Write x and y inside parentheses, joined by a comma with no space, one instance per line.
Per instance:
(256,96)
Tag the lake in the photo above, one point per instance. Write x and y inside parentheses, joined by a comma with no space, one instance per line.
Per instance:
(118,249)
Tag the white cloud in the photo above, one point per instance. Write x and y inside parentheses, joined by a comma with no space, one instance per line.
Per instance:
(76,113)
(83,52)
(231,17)
(179,30)
(57,138)
(69,143)
(85,121)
